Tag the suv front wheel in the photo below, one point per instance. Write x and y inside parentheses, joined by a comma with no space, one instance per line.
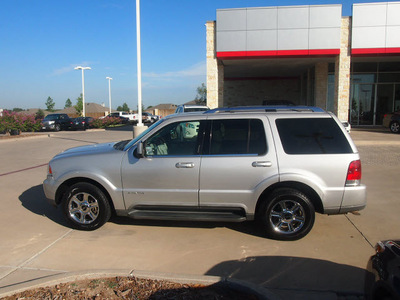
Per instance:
(287,214)
(86,207)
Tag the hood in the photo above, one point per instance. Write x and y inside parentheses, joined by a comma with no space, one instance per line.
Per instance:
(91,149)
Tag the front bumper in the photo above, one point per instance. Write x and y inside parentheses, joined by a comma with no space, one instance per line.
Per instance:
(50,190)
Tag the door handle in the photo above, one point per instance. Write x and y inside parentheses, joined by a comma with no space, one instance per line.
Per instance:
(262,164)
(184,165)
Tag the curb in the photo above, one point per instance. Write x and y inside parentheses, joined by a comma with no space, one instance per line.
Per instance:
(65,277)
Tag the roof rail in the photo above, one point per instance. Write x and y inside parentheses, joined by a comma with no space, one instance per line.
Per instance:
(278,108)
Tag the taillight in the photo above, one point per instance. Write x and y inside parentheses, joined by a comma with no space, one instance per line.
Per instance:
(354,173)
(50,171)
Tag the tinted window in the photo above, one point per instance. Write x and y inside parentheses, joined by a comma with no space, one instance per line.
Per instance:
(230,137)
(312,136)
(176,139)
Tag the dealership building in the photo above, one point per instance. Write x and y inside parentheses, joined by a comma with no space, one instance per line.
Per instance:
(309,55)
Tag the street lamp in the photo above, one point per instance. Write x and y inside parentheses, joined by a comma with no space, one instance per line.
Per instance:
(83,86)
(139,128)
(109,91)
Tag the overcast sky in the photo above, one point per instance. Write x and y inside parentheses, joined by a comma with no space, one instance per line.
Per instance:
(42,41)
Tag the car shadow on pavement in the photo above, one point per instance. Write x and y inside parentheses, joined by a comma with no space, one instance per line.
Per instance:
(248,227)
(297,274)
(34,200)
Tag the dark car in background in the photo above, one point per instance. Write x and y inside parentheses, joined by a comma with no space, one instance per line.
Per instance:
(385,265)
(56,122)
(392,121)
(81,123)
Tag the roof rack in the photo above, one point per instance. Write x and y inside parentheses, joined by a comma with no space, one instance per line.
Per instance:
(278,108)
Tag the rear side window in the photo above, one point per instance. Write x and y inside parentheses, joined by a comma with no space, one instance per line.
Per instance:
(312,136)
(237,136)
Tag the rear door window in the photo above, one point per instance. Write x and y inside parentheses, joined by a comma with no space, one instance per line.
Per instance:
(312,136)
(236,137)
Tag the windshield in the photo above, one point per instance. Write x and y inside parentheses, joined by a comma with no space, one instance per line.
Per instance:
(194,109)
(50,117)
(132,142)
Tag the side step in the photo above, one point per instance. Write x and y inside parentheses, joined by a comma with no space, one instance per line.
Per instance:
(187,214)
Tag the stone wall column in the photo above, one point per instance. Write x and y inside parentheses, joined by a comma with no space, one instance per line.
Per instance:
(321,84)
(215,70)
(342,72)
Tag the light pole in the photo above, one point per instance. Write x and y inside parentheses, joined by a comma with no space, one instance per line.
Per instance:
(139,128)
(83,86)
(109,91)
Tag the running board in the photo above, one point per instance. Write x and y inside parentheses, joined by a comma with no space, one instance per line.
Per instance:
(180,214)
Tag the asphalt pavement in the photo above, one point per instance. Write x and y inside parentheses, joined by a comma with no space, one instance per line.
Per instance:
(38,247)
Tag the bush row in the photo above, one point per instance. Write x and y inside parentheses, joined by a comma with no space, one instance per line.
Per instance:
(10,121)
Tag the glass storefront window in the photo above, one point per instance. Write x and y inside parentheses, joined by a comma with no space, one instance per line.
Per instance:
(363,78)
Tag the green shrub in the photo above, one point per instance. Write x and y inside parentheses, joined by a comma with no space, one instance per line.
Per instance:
(13,121)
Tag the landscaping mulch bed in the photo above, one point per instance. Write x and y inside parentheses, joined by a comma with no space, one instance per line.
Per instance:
(133,288)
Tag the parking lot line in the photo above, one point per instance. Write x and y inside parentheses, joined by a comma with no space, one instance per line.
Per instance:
(22,170)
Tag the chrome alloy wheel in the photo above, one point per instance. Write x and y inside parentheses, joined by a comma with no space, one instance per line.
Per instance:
(83,208)
(287,216)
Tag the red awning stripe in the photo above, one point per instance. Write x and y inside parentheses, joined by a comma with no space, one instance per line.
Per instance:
(374,51)
(276,53)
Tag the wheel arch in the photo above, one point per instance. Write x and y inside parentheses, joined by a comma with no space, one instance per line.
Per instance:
(63,188)
(301,187)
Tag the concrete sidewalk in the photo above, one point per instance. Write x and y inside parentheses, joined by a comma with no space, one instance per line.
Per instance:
(38,247)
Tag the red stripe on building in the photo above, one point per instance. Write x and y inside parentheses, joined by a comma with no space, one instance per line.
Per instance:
(374,51)
(276,53)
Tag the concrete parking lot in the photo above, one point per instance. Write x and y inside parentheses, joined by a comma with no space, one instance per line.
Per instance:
(36,242)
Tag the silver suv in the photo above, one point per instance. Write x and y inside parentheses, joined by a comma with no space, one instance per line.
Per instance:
(276,165)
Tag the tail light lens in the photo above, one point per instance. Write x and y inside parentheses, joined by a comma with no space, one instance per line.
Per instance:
(354,173)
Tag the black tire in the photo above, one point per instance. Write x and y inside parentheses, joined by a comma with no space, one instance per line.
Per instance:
(287,214)
(395,127)
(57,127)
(86,207)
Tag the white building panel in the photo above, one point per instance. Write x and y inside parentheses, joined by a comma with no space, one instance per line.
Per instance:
(323,16)
(393,14)
(293,17)
(231,41)
(262,18)
(295,39)
(231,19)
(371,14)
(324,38)
(369,37)
(262,40)
(393,37)
(376,25)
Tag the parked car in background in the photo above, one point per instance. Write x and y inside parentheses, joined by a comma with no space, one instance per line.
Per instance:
(132,117)
(81,123)
(190,108)
(346,125)
(385,265)
(392,121)
(277,166)
(56,122)
(149,118)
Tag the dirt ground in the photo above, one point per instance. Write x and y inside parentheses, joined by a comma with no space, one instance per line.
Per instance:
(132,288)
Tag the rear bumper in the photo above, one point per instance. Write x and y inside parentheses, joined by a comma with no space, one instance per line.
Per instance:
(354,198)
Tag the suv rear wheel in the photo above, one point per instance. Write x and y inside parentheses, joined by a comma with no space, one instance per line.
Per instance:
(287,214)
(86,207)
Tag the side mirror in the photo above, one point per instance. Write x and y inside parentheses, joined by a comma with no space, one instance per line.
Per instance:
(139,150)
